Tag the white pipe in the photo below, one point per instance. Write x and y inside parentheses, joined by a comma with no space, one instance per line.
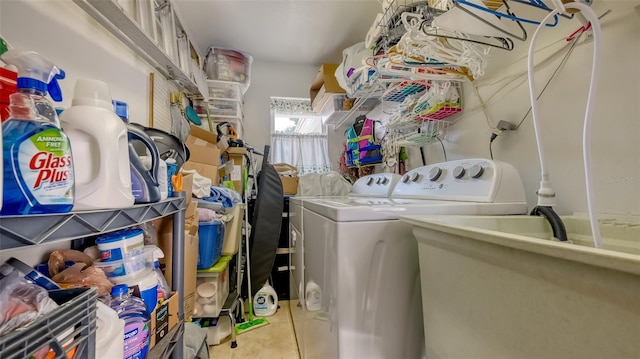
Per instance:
(586,139)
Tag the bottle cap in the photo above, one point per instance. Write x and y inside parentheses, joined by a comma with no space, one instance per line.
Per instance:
(119,289)
(88,92)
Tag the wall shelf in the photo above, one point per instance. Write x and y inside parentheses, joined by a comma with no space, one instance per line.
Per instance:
(114,18)
(17,231)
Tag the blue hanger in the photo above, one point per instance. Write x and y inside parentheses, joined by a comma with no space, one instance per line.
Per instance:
(509,15)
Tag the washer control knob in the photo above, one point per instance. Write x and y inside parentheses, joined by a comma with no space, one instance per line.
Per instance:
(379,180)
(369,181)
(458,172)
(415,177)
(434,173)
(405,179)
(476,171)
(385,180)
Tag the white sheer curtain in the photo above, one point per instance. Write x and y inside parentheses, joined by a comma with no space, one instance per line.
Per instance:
(308,152)
(305,147)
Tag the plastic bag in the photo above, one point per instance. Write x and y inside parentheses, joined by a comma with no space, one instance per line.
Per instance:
(21,302)
(80,275)
(58,258)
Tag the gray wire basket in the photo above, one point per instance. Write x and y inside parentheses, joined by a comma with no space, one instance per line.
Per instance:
(70,326)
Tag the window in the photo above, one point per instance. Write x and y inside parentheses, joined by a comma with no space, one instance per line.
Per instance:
(298,136)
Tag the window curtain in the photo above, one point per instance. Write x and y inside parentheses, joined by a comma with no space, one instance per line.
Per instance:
(308,152)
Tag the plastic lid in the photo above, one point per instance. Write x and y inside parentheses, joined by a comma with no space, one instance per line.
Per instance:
(119,289)
(89,92)
(121,109)
(219,267)
(120,235)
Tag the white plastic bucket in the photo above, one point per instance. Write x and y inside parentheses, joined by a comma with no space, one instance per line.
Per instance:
(144,285)
(121,244)
(128,266)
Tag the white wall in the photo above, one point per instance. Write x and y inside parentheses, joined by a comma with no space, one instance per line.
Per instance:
(63,33)
(616,126)
(268,80)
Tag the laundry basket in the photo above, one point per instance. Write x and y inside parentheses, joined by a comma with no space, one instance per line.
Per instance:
(68,330)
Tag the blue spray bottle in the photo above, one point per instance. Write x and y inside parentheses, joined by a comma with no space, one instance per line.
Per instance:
(38,167)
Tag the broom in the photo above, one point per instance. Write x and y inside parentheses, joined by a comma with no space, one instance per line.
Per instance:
(253,323)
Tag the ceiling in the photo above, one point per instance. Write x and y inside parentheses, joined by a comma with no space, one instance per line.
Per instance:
(306,32)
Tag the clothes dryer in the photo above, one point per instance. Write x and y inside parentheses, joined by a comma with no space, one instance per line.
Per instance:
(362,262)
(367,189)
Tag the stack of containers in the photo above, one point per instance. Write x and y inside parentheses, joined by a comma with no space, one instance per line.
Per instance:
(126,260)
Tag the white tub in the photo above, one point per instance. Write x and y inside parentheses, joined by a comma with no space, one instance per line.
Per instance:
(499,287)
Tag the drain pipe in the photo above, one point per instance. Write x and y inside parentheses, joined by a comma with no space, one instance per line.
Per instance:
(546,195)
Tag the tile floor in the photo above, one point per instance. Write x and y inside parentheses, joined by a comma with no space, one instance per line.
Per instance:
(274,341)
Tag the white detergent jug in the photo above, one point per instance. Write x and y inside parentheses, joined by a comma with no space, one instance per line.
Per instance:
(109,333)
(265,302)
(100,148)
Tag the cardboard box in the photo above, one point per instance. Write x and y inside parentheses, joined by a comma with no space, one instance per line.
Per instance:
(326,76)
(164,227)
(289,184)
(236,155)
(208,171)
(163,319)
(204,154)
(187,187)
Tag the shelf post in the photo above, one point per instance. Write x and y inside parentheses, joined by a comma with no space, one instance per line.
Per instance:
(178,270)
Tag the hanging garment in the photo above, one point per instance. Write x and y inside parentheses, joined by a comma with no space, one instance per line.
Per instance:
(362,148)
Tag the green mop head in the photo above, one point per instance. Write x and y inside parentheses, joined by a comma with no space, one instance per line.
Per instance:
(253,323)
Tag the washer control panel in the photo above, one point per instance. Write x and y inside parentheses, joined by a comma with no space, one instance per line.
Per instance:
(375,185)
(464,180)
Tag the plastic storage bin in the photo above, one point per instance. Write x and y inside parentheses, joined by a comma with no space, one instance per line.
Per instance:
(233,231)
(77,311)
(211,237)
(228,65)
(225,108)
(212,289)
(221,330)
(224,90)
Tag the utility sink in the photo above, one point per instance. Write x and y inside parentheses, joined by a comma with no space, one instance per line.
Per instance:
(503,287)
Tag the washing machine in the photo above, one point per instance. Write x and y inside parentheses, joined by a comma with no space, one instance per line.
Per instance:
(374,188)
(360,284)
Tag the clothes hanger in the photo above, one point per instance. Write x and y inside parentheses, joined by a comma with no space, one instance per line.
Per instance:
(511,16)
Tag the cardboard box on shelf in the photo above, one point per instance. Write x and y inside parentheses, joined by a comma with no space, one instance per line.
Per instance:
(163,319)
(288,176)
(236,155)
(164,227)
(204,154)
(289,184)
(326,77)
(187,187)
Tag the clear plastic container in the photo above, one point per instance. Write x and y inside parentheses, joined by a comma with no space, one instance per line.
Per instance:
(129,266)
(229,65)
(212,289)
(225,108)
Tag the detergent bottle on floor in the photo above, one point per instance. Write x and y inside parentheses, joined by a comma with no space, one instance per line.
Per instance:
(265,302)
(38,173)
(101,149)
